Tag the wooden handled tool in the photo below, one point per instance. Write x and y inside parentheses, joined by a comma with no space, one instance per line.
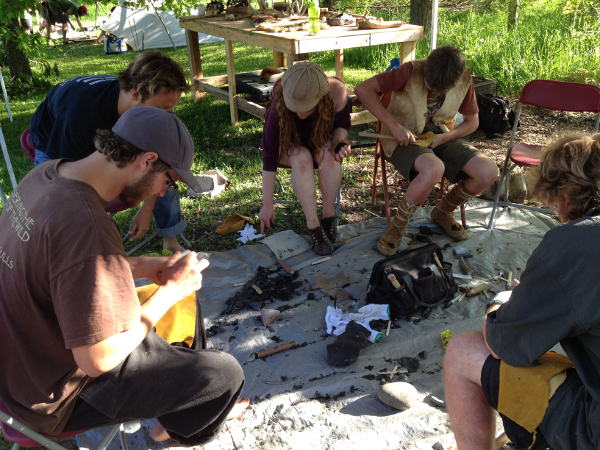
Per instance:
(279,348)
(287,268)
(375,135)
(394,281)
(437,260)
(476,290)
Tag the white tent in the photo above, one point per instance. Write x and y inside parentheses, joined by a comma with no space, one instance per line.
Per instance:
(144,29)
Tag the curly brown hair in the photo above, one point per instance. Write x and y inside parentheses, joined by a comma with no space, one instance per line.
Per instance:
(569,175)
(149,72)
(289,123)
(122,152)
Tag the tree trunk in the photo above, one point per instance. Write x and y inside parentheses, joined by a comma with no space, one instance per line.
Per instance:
(327,4)
(420,14)
(17,61)
(513,14)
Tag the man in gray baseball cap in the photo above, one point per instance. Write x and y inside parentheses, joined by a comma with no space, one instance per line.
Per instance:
(79,308)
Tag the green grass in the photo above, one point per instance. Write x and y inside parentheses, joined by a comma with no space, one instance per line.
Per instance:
(546,45)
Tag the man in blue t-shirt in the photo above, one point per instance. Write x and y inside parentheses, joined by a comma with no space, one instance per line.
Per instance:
(65,123)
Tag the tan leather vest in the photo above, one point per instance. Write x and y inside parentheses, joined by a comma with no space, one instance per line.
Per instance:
(409,105)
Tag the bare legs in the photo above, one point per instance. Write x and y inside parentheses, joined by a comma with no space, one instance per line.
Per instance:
(473,419)
(303,181)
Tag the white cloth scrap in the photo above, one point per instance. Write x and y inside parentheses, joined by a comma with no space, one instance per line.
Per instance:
(248,234)
(335,318)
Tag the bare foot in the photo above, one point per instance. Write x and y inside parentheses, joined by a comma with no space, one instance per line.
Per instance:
(159,434)
(172,245)
(239,408)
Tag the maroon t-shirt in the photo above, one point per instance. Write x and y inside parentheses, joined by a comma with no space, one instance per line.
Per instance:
(64,282)
(396,79)
(270,137)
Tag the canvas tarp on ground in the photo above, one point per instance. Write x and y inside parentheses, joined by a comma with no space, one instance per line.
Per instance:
(144,30)
(302,402)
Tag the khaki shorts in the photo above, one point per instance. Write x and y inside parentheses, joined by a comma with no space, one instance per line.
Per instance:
(455,154)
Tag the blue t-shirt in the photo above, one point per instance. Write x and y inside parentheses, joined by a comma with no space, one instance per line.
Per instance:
(65,124)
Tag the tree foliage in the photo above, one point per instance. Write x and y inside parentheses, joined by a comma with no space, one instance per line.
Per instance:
(179,7)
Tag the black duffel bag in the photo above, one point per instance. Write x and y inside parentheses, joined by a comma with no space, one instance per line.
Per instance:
(421,282)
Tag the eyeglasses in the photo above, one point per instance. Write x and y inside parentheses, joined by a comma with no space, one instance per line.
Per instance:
(171,186)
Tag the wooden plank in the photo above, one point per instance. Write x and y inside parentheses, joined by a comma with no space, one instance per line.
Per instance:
(231,81)
(332,43)
(339,64)
(219,80)
(245,104)
(362,117)
(195,62)
(396,35)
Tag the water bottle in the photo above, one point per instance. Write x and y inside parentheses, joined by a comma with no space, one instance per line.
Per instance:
(314,24)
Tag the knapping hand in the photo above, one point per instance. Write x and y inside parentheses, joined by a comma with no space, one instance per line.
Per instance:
(438,139)
(403,136)
(267,217)
(343,149)
(184,273)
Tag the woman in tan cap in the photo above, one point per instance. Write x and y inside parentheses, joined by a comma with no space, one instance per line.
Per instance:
(306,125)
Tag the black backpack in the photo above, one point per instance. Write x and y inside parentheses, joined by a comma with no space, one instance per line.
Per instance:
(495,115)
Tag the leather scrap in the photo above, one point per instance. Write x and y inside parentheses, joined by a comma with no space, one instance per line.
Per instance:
(340,280)
(425,139)
(232,224)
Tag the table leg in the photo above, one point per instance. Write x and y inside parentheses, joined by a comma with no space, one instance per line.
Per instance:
(339,63)
(292,59)
(279,59)
(231,81)
(195,62)
(408,51)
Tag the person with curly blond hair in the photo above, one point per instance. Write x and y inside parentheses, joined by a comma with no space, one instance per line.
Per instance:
(545,400)
(306,127)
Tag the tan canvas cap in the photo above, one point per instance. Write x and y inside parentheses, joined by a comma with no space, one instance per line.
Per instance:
(304,84)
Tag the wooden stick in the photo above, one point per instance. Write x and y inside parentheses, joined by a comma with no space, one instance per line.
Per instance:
(375,135)
(393,373)
(257,289)
(387,333)
(287,268)
(437,260)
(279,348)
(322,260)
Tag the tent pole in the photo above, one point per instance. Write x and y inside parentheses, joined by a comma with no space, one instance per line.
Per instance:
(434,22)
(163,23)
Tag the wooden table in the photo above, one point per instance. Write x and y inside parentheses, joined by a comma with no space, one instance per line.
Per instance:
(287,49)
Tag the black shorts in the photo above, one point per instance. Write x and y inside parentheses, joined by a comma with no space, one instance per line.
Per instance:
(571,420)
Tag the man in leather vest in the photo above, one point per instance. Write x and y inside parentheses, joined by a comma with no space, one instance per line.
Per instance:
(426,95)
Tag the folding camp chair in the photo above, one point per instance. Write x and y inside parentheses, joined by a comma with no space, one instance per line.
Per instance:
(547,94)
(380,158)
(23,436)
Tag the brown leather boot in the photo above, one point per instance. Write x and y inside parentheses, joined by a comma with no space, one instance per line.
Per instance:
(443,213)
(329,225)
(388,242)
(320,243)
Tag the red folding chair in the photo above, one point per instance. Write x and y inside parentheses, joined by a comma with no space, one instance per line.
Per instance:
(547,94)
(380,158)
(23,436)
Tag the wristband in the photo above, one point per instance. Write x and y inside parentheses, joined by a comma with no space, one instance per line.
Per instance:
(339,147)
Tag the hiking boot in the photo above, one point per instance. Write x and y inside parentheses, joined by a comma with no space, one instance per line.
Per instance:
(443,212)
(388,242)
(320,243)
(329,225)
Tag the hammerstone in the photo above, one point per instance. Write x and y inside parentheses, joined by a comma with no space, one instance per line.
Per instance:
(398,395)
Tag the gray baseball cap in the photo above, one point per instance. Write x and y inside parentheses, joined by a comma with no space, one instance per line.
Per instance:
(156,130)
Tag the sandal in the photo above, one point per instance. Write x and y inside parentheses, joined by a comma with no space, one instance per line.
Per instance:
(320,243)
